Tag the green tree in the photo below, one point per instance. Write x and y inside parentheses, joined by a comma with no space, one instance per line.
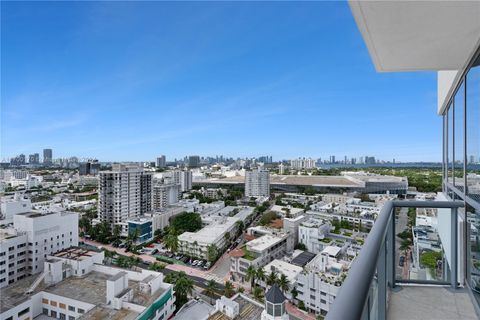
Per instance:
(283,283)
(212,253)
(251,273)
(229,289)
(117,230)
(260,274)
(182,285)
(272,278)
(187,221)
(157,266)
(227,238)
(240,289)
(258,294)
(240,227)
(211,287)
(294,293)
(108,255)
(171,239)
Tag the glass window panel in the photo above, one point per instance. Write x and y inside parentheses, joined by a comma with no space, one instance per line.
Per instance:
(473,131)
(459,128)
(473,219)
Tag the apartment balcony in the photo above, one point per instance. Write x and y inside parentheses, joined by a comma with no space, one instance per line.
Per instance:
(388,280)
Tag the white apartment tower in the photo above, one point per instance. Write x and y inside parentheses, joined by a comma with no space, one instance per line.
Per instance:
(24,249)
(165,195)
(184,179)
(257,183)
(125,192)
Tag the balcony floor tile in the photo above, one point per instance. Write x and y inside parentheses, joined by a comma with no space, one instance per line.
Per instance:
(425,303)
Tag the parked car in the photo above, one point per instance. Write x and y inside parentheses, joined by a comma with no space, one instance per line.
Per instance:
(195,263)
(200,263)
(207,265)
(401,261)
(154,251)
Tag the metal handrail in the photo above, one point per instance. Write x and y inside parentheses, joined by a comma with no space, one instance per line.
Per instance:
(353,295)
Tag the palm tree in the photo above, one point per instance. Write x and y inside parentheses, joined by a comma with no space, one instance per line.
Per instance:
(272,278)
(258,294)
(183,287)
(109,255)
(260,273)
(240,289)
(227,239)
(251,274)
(210,289)
(294,293)
(117,230)
(229,289)
(283,283)
(134,235)
(240,227)
(171,240)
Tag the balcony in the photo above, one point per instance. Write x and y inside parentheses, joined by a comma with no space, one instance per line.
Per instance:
(397,278)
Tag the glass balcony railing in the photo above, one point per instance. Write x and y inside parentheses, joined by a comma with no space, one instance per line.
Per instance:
(409,266)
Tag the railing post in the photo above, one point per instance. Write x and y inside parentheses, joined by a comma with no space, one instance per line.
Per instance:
(382,283)
(391,241)
(454,248)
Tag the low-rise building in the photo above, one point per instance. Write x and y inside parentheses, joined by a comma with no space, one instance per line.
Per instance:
(144,227)
(34,236)
(260,251)
(318,284)
(76,285)
(312,233)
(196,244)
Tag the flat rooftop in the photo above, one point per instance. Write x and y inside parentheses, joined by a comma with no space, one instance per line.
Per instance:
(332,181)
(264,242)
(194,309)
(291,271)
(210,233)
(15,293)
(75,253)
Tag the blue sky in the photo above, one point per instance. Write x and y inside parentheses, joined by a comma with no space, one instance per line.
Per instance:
(130,81)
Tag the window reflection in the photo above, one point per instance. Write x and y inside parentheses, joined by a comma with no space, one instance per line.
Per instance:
(459,111)
(473,131)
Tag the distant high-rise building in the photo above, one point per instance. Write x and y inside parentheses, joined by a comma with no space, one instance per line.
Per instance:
(91,167)
(332,159)
(125,192)
(47,156)
(265,159)
(18,160)
(161,162)
(257,183)
(34,158)
(193,161)
(165,195)
(184,179)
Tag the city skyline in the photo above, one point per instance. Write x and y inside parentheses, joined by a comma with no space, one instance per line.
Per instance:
(127,81)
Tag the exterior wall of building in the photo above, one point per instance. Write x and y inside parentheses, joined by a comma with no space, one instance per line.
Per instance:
(46,234)
(123,193)
(165,195)
(13,259)
(316,294)
(312,235)
(257,183)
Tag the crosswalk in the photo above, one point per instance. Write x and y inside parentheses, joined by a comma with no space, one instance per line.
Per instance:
(210,276)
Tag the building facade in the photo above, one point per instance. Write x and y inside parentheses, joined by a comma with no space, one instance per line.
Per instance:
(257,183)
(125,192)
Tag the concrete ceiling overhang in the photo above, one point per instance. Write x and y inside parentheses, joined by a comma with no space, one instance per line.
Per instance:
(418,35)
